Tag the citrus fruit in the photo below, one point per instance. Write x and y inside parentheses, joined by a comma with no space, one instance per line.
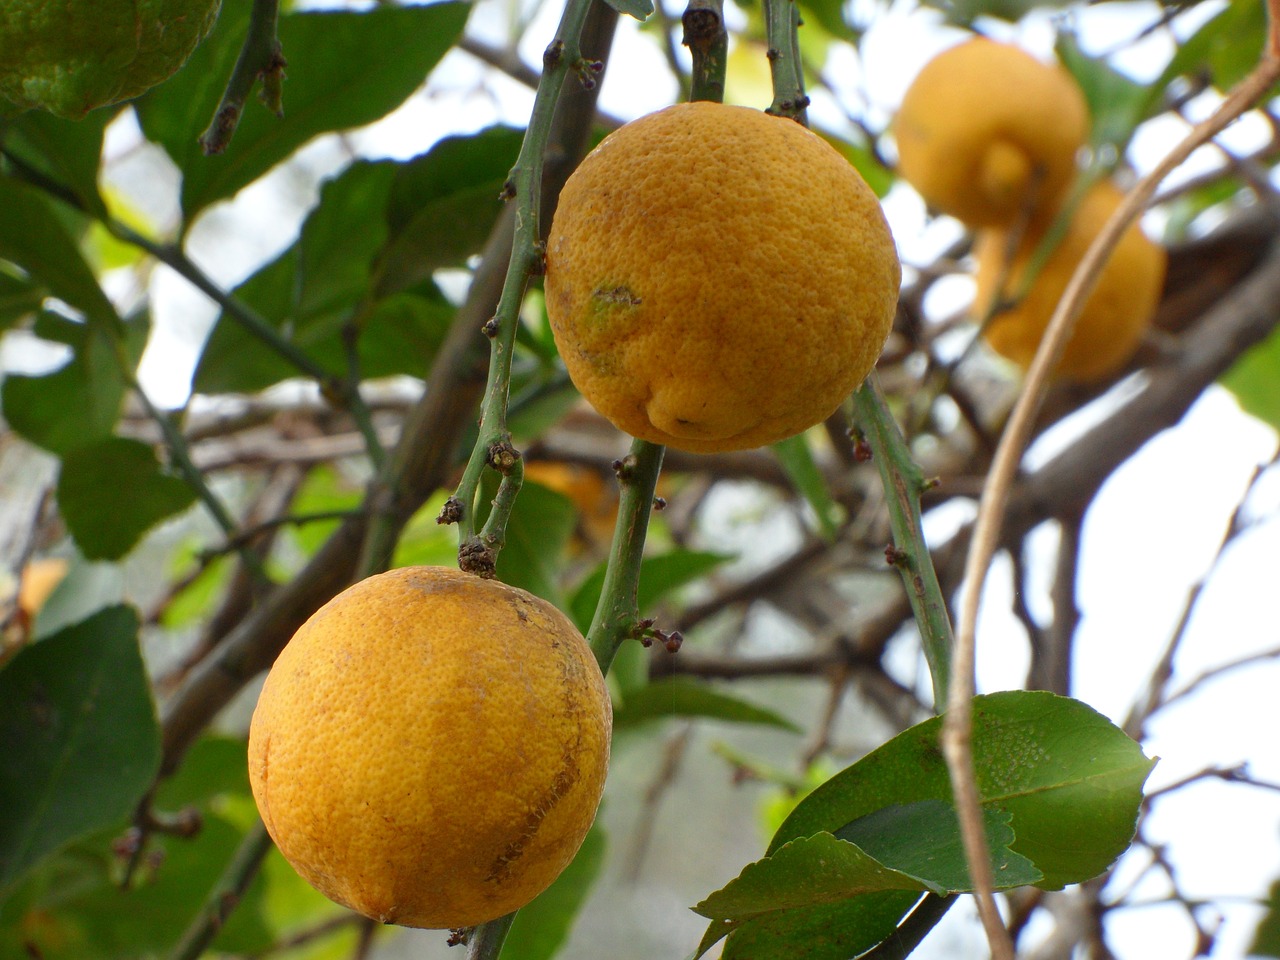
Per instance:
(1115,314)
(986,130)
(430,747)
(718,278)
(72,56)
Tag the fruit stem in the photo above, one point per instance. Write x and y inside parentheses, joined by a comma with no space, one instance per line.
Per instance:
(523,185)
(782,20)
(617,612)
(708,42)
(487,939)
(903,483)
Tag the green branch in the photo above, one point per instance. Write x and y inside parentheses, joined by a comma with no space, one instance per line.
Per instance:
(486,940)
(903,484)
(617,616)
(782,20)
(708,42)
(226,895)
(260,58)
(562,57)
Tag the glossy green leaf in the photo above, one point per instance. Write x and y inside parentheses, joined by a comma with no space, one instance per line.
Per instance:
(538,531)
(345,70)
(19,297)
(112,491)
(686,697)
(541,927)
(797,460)
(659,576)
(1254,380)
(33,237)
(1070,779)
(81,739)
(443,204)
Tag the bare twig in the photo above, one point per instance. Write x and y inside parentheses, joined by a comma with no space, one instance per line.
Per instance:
(957,726)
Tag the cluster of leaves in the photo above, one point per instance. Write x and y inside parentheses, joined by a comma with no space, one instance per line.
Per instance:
(355,298)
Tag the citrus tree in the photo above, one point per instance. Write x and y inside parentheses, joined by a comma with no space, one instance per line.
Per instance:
(257,352)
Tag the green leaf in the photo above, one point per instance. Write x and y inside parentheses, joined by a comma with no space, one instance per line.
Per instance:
(639,9)
(64,152)
(1266,939)
(1254,380)
(542,926)
(345,70)
(33,237)
(1117,104)
(659,576)
(686,697)
(113,491)
(824,931)
(797,460)
(1071,780)
(315,293)
(443,204)
(214,767)
(19,297)
(81,739)
(829,14)
(1229,44)
(965,12)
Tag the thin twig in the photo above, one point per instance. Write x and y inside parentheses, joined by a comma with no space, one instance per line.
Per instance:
(957,726)
(260,58)
(225,895)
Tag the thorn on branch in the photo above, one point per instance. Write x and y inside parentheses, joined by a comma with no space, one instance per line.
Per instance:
(490,328)
(502,456)
(773,54)
(508,191)
(272,77)
(862,452)
(538,259)
(477,557)
(659,504)
(451,512)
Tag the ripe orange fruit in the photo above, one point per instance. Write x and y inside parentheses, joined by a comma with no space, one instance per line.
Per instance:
(718,278)
(1115,315)
(430,747)
(986,129)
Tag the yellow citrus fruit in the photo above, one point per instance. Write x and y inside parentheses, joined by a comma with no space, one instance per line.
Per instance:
(1115,315)
(986,130)
(74,55)
(39,579)
(430,747)
(718,278)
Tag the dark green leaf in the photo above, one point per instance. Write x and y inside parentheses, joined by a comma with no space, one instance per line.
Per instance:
(214,766)
(1071,780)
(659,576)
(81,739)
(65,153)
(33,237)
(443,205)
(825,931)
(112,491)
(1254,380)
(19,297)
(539,528)
(542,926)
(797,460)
(829,14)
(685,697)
(345,70)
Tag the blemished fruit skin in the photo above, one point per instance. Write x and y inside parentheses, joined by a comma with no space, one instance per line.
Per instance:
(430,748)
(72,56)
(987,132)
(718,278)
(1115,315)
